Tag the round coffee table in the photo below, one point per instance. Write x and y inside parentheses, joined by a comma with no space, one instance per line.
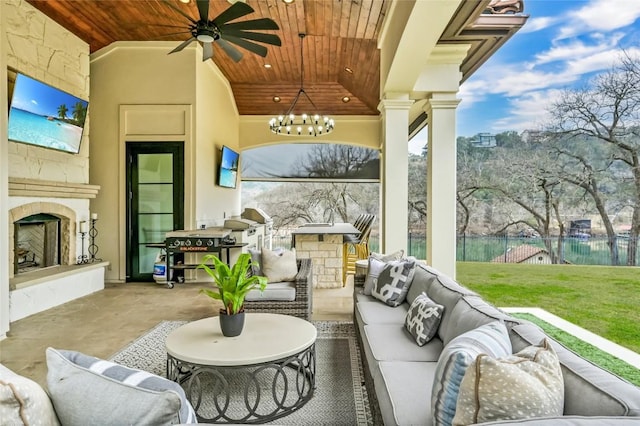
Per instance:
(265,373)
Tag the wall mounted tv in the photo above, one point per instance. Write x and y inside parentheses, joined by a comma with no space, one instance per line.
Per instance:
(228,170)
(44,116)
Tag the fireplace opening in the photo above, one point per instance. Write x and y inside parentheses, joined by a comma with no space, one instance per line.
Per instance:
(37,243)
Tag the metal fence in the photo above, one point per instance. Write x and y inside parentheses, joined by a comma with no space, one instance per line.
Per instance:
(477,248)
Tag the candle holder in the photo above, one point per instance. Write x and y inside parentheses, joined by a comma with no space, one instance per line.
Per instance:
(93,247)
(82,259)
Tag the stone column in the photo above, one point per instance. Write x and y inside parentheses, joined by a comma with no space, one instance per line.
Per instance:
(441,182)
(395,173)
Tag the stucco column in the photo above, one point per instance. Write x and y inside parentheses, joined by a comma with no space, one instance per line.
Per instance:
(395,174)
(4,186)
(441,182)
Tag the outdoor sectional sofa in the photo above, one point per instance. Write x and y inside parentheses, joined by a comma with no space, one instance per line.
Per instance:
(399,374)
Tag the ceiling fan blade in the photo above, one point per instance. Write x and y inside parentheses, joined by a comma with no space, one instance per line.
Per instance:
(203,9)
(250,46)
(168,2)
(207,51)
(237,10)
(172,34)
(182,45)
(261,37)
(233,53)
(254,24)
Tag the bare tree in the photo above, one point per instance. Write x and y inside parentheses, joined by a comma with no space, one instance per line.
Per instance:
(608,110)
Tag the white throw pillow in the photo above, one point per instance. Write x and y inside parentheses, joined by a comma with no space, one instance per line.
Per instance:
(279,267)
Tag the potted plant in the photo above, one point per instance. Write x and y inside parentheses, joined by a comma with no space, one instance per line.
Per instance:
(232,284)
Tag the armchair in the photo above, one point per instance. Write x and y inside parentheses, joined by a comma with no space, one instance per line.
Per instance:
(290,298)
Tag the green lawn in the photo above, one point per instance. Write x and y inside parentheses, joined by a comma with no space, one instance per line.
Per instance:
(601,299)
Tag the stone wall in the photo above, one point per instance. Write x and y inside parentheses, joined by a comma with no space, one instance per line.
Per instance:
(42,49)
(326,256)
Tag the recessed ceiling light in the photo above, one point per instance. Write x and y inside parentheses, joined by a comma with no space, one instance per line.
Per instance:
(276,99)
(346,99)
(288,1)
(267,66)
(185,1)
(349,70)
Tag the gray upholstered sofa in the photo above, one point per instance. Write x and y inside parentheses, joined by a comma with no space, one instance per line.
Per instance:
(399,374)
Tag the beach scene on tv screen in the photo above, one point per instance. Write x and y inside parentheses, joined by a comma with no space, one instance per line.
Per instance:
(45,116)
(228,177)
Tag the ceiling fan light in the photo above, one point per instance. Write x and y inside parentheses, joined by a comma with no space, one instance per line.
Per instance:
(205,38)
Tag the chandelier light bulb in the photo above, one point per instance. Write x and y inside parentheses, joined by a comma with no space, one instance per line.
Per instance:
(318,127)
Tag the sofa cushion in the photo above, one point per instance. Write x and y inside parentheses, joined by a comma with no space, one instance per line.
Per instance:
(379,313)
(403,391)
(594,391)
(471,312)
(423,318)
(390,342)
(23,401)
(279,266)
(422,279)
(446,292)
(525,385)
(491,339)
(90,391)
(285,291)
(394,281)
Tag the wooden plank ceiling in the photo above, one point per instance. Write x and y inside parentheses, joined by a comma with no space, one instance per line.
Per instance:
(340,54)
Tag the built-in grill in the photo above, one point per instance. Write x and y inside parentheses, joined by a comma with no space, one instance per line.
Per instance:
(259,216)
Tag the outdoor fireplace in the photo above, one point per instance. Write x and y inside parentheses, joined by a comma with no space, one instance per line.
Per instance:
(37,242)
(41,235)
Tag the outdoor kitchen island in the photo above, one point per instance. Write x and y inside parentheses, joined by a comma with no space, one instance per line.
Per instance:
(322,242)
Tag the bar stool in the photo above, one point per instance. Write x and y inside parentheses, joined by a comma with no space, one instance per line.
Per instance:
(356,247)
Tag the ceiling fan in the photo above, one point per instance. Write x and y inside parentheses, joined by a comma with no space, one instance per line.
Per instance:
(220,31)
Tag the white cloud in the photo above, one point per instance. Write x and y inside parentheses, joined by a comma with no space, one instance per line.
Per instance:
(577,49)
(600,15)
(539,23)
(33,101)
(527,112)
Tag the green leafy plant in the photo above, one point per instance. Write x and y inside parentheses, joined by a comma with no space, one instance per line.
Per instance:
(232,284)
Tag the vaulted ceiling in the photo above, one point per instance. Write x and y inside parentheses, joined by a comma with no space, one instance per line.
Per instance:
(341,58)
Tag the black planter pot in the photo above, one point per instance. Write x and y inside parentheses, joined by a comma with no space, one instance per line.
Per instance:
(231,325)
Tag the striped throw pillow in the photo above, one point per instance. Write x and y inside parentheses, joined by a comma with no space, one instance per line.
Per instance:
(491,339)
(87,390)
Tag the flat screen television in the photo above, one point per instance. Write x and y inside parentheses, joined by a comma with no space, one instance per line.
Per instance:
(228,170)
(44,116)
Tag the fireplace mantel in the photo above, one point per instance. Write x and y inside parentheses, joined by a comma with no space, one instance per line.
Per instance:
(22,187)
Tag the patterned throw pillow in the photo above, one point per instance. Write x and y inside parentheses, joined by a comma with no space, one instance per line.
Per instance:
(527,384)
(423,318)
(491,339)
(90,391)
(377,262)
(394,281)
(23,401)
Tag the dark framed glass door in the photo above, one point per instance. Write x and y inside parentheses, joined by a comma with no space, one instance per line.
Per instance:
(155,200)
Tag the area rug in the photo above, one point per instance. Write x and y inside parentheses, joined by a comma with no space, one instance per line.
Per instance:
(340,397)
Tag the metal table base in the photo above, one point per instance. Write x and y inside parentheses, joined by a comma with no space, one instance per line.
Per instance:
(250,394)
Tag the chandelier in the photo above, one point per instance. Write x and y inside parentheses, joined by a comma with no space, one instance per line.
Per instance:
(303,124)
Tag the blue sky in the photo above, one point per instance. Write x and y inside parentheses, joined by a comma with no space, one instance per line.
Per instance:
(563,44)
(39,98)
